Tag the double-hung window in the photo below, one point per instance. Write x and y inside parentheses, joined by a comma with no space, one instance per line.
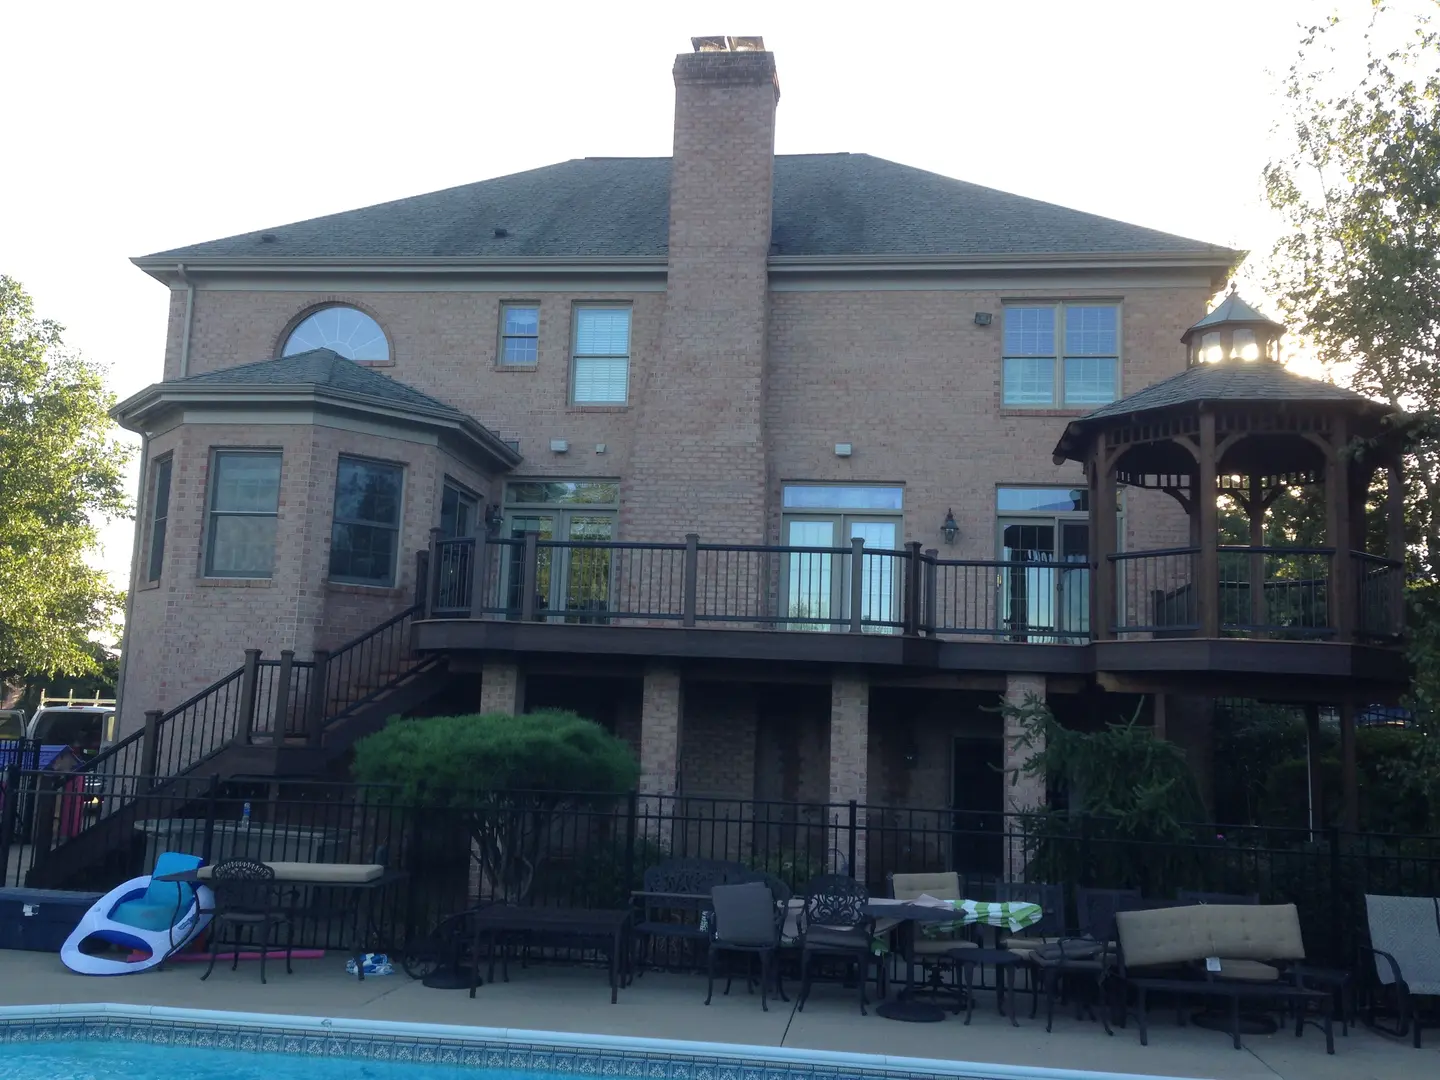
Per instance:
(600,374)
(244,506)
(159,517)
(365,535)
(519,335)
(1061,356)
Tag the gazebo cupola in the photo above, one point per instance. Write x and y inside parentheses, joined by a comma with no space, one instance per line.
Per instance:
(1237,423)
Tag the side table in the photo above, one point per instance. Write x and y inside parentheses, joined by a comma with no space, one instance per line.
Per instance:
(1004,961)
(1338,981)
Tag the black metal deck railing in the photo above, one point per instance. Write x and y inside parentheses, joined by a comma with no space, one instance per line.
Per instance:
(1260,591)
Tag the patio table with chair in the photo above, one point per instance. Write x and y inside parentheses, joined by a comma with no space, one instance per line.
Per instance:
(267,896)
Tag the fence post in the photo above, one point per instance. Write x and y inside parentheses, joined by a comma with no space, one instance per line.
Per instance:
(691,579)
(857,583)
(932,573)
(150,745)
(315,708)
(248,680)
(854,816)
(528,567)
(282,695)
(1338,953)
(912,588)
(9,817)
(212,796)
(631,810)
(475,601)
(1086,877)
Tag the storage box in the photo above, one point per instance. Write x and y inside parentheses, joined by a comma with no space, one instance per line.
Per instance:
(41,919)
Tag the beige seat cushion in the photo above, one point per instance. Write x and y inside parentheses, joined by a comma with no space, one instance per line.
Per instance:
(1255,931)
(1174,935)
(319,873)
(1027,944)
(1239,932)
(1247,970)
(912,886)
(835,937)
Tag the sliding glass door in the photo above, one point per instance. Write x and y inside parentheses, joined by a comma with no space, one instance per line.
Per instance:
(818,584)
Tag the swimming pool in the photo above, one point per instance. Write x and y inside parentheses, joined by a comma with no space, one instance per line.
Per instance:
(83,1042)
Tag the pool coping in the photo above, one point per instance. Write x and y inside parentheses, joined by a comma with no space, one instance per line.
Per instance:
(482,1047)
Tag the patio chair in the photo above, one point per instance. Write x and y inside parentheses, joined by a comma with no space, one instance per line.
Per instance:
(676,892)
(1405,935)
(836,922)
(1095,910)
(247,898)
(929,947)
(745,919)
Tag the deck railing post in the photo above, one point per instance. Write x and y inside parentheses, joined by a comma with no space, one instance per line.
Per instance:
(857,583)
(212,798)
(932,573)
(432,590)
(248,680)
(282,695)
(150,745)
(911,615)
(315,710)
(691,579)
(475,600)
(422,577)
(528,576)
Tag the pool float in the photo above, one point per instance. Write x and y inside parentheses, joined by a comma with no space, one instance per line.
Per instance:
(151,918)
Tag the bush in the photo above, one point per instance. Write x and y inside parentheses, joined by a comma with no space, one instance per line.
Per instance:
(507,777)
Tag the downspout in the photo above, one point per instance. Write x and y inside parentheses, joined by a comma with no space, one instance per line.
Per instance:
(135,556)
(189,318)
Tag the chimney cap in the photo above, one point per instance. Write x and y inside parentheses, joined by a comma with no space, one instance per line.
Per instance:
(728,44)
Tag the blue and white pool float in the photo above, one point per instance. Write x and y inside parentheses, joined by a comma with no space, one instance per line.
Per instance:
(144,915)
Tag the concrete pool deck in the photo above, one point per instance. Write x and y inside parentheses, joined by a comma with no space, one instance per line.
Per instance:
(666,1006)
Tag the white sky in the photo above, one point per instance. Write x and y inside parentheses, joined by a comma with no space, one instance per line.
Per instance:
(142,126)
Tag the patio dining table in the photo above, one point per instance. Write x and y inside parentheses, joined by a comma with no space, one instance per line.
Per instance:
(945,915)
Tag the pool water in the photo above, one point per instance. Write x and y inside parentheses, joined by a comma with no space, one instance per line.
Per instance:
(99,1060)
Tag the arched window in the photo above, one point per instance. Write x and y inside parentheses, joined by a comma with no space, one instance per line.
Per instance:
(347,330)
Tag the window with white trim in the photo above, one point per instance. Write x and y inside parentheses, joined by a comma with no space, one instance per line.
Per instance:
(600,374)
(1061,356)
(244,508)
(519,335)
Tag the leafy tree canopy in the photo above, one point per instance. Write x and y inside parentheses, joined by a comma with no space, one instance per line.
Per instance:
(61,468)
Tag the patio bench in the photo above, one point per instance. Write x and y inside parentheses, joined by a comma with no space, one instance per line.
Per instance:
(1237,952)
(676,892)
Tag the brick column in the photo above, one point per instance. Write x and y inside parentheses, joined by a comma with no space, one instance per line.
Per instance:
(502,688)
(662,703)
(1022,791)
(849,759)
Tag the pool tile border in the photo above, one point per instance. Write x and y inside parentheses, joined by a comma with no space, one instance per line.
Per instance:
(579,1056)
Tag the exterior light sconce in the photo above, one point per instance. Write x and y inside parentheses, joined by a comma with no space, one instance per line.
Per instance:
(949,529)
(912,754)
(494,518)
(983,318)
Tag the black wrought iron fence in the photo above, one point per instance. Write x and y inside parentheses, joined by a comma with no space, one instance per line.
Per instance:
(587,850)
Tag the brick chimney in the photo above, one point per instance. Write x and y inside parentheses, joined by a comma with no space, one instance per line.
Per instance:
(700,413)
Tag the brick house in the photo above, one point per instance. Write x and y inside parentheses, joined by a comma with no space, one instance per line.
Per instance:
(746,456)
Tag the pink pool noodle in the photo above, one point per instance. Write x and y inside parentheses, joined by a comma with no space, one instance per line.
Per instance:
(229,957)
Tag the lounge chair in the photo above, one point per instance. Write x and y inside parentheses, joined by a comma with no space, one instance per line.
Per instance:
(1405,951)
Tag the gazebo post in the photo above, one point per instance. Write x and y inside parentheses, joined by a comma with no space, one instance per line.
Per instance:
(1102,532)
(1341,597)
(1207,574)
(1395,541)
(1314,782)
(1350,801)
(1255,504)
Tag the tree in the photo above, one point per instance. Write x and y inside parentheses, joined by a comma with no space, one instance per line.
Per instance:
(61,468)
(509,777)
(1358,272)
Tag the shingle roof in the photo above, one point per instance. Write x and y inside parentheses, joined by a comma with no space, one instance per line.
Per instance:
(1224,380)
(1230,310)
(321,367)
(825,205)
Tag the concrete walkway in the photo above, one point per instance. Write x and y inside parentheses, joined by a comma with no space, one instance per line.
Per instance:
(660,1005)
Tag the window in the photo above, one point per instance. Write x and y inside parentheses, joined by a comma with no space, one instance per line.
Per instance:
(1061,355)
(347,330)
(365,535)
(519,335)
(459,512)
(159,515)
(602,356)
(244,505)
(817,583)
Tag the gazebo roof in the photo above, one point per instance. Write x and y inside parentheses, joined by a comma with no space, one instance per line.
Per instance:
(1228,381)
(1231,311)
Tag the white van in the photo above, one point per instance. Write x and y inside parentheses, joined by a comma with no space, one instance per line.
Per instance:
(83,724)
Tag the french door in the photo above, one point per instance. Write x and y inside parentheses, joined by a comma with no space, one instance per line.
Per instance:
(817,584)
(573,584)
(1050,600)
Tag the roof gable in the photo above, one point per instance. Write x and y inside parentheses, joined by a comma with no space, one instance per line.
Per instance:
(825,205)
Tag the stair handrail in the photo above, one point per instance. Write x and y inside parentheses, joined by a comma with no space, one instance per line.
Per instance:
(332,668)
